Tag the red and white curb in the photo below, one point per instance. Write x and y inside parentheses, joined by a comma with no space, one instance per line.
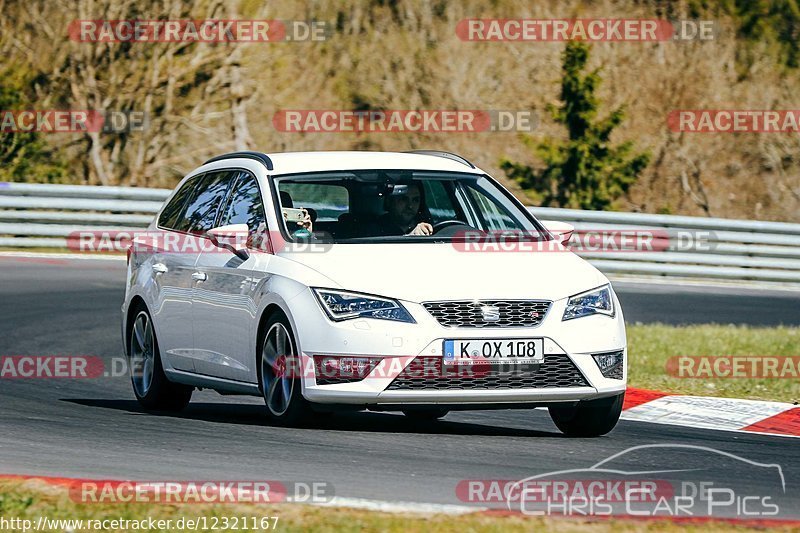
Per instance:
(725,414)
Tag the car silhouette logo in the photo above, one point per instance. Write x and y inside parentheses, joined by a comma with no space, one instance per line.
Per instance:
(490,313)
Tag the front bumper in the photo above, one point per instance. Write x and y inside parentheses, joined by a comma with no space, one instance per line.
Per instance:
(398,344)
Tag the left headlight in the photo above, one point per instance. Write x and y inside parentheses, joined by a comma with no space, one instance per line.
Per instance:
(594,302)
(344,305)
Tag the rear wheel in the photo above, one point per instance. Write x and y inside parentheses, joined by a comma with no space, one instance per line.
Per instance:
(434,413)
(589,418)
(150,385)
(278,374)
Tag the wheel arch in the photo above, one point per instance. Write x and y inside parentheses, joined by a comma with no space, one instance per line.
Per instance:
(270,310)
(136,305)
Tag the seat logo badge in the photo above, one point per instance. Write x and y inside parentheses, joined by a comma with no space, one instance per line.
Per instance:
(490,313)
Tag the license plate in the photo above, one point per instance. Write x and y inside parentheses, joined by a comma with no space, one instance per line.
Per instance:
(494,351)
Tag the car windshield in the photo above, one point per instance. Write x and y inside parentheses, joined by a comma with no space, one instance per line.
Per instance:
(398,206)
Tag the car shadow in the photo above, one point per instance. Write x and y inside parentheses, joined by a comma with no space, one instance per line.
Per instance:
(361,421)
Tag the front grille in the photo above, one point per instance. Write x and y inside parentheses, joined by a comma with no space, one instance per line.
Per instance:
(428,373)
(470,314)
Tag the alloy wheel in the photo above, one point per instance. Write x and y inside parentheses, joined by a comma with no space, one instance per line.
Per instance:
(142,354)
(277,375)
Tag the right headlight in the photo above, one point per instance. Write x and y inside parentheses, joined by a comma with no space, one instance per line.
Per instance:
(344,305)
(594,302)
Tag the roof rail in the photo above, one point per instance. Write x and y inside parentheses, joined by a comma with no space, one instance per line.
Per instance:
(247,154)
(446,155)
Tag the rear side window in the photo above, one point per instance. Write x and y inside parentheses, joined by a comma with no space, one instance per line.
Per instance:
(174,209)
(201,210)
(327,199)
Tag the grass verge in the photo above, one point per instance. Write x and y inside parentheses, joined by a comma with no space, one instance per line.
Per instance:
(650,347)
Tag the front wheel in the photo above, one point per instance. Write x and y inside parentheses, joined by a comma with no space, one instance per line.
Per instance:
(588,418)
(278,374)
(150,385)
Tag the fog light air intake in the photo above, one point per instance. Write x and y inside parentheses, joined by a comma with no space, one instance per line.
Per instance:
(611,364)
(336,370)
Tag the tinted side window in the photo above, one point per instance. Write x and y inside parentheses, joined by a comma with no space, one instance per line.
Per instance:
(245,206)
(200,214)
(495,216)
(327,199)
(174,209)
(438,200)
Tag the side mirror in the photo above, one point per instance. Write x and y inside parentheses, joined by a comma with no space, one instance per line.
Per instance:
(560,230)
(233,238)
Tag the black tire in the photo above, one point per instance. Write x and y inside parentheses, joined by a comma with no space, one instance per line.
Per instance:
(159,394)
(298,411)
(434,413)
(588,418)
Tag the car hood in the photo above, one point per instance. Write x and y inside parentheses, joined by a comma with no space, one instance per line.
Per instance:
(426,272)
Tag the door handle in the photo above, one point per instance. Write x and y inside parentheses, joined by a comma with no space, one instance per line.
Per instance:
(199,276)
(160,268)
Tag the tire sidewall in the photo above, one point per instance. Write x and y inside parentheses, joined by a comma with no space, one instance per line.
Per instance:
(162,394)
(298,409)
(589,418)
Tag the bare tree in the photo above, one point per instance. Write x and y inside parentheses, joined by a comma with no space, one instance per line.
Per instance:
(166,81)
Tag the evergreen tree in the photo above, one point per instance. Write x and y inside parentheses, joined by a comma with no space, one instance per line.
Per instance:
(585,171)
(24,156)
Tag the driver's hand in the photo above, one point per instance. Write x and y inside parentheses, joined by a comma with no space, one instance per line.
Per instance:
(306,223)
(423,228)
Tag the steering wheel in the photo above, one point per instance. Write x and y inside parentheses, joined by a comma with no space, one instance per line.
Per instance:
(439,226)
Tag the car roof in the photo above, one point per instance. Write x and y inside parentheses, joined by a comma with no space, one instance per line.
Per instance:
(300,162)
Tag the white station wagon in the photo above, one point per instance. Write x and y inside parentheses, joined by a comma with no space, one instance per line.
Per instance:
(324,281)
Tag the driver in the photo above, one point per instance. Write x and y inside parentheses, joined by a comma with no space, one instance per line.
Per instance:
(406,213)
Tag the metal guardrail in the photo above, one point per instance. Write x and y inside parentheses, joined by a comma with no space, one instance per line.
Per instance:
(36,215)
(722,249)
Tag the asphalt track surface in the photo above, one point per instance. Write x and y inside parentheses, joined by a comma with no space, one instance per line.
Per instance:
(94,428)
